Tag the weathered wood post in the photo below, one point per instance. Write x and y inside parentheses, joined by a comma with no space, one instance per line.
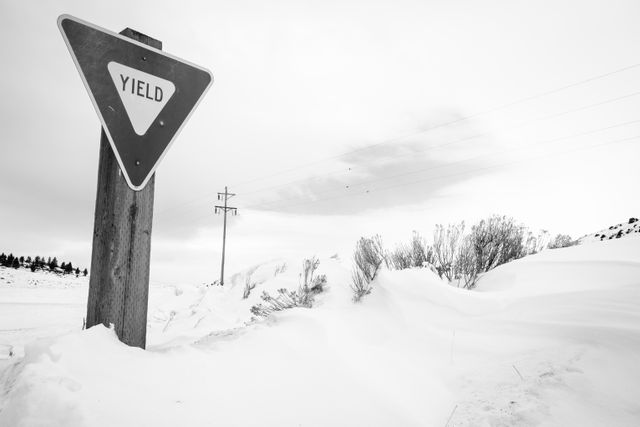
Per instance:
(119,281)
(143,97)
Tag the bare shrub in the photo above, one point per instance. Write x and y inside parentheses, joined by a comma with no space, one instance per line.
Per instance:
(280,269)
(562,241)
(534,243)
(495,241)
(249,284)
(308,287)
(421,253)
(465,268)
(359,285)
(283,300)
(446,242)
(416,254)
(401,257)
(368,258)
(461,259)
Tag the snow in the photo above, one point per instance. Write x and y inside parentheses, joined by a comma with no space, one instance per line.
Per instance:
(38,305)
(630,228)
(552,340)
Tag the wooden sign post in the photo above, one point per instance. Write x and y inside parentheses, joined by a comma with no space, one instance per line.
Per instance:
(143,98)
(119,281)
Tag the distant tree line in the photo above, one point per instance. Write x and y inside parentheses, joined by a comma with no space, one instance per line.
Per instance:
(40,263)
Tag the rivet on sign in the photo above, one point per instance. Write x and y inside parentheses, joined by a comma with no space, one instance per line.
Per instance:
(144,58)
(137,162)
(161,122)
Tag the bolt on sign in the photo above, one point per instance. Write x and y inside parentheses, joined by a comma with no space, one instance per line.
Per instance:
(143,96)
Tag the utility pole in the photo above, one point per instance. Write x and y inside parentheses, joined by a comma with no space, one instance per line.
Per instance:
(224,196)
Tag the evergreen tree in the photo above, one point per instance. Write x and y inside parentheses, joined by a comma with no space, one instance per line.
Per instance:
(16,263)
(85,272)
(68,268)
(63,266)
(33,267)
(3,259)
(53,264)
(21,260)
(29,260)
(9,262)
(77,271)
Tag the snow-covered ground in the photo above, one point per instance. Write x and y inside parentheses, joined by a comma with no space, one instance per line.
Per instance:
(629,228)
(551,340)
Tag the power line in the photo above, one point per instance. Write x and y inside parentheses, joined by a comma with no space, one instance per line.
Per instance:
(617,141)
(463,172)
(535,144)
(468,138)
(481,113)
(459,120)
(438,146)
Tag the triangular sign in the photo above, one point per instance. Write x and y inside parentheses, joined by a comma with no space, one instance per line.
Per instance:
(142,95)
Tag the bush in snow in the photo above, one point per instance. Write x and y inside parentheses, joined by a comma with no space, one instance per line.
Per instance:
(416,254)
(465,266)
(421,253)
(536,243)
(461,258)
(562,241)
(453,256)
(446,245)
(248,286)
(400,258)
(309,286)
(367,257)
(280,269)
(495,241)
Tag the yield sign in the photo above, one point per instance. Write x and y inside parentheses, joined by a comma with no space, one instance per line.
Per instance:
(142,95)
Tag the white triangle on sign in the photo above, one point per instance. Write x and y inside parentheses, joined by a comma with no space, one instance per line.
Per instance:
(143,95)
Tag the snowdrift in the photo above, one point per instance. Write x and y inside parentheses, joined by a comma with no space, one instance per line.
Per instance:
(552,340)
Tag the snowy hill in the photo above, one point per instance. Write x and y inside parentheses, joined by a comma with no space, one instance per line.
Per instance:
(631,228)
(551,339)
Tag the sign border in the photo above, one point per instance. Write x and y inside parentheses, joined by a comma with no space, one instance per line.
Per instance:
(95,105)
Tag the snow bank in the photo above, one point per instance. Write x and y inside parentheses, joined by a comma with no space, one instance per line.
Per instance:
(552,339)
(296,370)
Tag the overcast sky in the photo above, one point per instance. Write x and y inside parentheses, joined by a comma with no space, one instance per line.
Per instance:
(332,120)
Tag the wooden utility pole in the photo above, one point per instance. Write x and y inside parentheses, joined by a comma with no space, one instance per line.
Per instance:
(119,281)
(224,196)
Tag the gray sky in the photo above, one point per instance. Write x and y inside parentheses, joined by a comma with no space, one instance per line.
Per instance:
(333,120)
